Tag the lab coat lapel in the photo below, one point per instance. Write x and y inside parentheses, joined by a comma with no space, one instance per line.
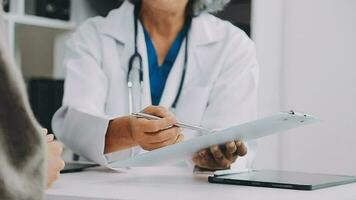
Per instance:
(146,93)
(120,26)
(200,36)
(173,80)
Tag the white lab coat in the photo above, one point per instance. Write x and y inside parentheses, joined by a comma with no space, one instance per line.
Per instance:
(220,88)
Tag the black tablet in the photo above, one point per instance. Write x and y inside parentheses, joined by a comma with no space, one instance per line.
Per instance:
(76,167)
(283,179)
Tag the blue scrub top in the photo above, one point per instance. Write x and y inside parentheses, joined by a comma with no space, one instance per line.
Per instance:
(159,74)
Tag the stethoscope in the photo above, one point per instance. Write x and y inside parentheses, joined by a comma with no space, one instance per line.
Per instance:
(135,63)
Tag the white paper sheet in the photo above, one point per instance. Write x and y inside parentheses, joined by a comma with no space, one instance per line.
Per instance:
(248,131)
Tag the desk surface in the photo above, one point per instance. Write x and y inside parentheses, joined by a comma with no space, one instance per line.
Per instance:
(173,183)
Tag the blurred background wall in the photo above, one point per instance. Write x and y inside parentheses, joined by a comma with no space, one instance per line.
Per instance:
(307,51)
(267,24)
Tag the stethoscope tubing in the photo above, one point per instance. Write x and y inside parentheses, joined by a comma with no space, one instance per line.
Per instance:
(138,56)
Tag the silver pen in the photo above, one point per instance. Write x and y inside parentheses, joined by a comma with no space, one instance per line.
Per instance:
(179,124)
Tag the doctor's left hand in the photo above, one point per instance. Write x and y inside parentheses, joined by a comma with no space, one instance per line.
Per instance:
(220,157)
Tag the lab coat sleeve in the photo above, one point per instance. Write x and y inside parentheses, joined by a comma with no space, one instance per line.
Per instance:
(81,122)
(233,98)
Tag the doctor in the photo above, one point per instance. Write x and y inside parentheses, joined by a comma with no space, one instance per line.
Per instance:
(170,54)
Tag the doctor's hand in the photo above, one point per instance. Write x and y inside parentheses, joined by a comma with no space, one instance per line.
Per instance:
(154,134)
(126,132)
(220,157)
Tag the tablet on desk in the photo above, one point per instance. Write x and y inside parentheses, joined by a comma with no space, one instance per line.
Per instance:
(283,179)
(74,166)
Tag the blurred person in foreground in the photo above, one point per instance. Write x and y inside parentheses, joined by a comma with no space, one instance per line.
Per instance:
(27,164)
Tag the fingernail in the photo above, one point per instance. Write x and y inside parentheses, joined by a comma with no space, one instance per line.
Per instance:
(44,131)
(214,148)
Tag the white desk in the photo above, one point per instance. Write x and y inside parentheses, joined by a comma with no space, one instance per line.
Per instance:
(174,183)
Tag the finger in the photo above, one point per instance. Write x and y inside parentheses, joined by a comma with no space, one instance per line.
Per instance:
(230,147)
(162,136)
(197,158)
(158,111)
(207,161)
(204,153)
(50,138)
(179,139)
(152,126)
(241,148)
(55,148)
(219,156)
(204,163)
(55,176)
(168,118)
(60,164)
(230,150)
(168,142)
(44,131)
(52,178)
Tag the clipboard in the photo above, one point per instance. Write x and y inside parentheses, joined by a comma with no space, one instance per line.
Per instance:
(248,131)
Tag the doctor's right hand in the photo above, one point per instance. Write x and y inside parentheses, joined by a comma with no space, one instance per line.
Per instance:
(154,134)
(126,132)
